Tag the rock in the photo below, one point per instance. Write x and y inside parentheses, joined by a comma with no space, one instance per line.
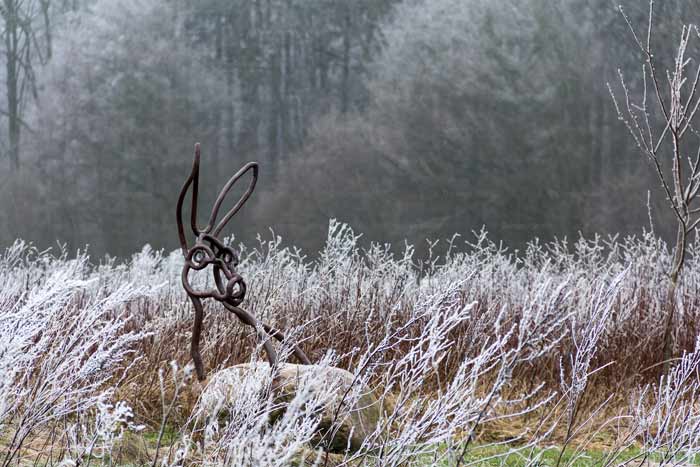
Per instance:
(347,418)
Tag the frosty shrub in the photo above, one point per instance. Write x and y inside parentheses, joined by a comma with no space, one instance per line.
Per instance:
(66,346)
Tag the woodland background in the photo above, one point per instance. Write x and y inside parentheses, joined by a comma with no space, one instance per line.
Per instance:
(407,119)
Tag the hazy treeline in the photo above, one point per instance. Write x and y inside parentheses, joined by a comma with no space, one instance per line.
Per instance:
(404,118)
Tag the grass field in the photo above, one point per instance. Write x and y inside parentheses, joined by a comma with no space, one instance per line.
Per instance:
(478,356)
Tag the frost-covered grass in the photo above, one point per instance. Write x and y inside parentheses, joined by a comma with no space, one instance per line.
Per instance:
(478,356)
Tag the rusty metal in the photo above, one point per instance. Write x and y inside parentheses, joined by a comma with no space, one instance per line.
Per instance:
(209,251)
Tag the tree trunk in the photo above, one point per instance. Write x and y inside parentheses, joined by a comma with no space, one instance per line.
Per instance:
(345,85)
(230,57)
(275,106)
(11,81)
(678,260)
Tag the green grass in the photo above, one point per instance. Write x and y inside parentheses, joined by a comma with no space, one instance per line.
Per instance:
(547,456)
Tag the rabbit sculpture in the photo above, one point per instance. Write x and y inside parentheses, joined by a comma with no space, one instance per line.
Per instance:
(210,252)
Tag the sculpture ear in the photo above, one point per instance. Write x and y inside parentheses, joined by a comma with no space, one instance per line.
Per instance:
(193,180)
(250,166)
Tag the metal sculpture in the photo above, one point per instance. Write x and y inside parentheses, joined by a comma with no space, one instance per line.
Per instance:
(209,251)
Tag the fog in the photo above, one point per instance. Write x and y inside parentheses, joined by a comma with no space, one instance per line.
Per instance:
(410,120)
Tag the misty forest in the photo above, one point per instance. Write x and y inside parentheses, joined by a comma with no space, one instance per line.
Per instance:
(440,233)
(408,120)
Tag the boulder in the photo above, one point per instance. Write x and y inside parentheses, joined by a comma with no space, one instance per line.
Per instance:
(348,416)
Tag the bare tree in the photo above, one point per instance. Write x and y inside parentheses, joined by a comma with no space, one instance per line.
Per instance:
(24,45)
(661,121)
